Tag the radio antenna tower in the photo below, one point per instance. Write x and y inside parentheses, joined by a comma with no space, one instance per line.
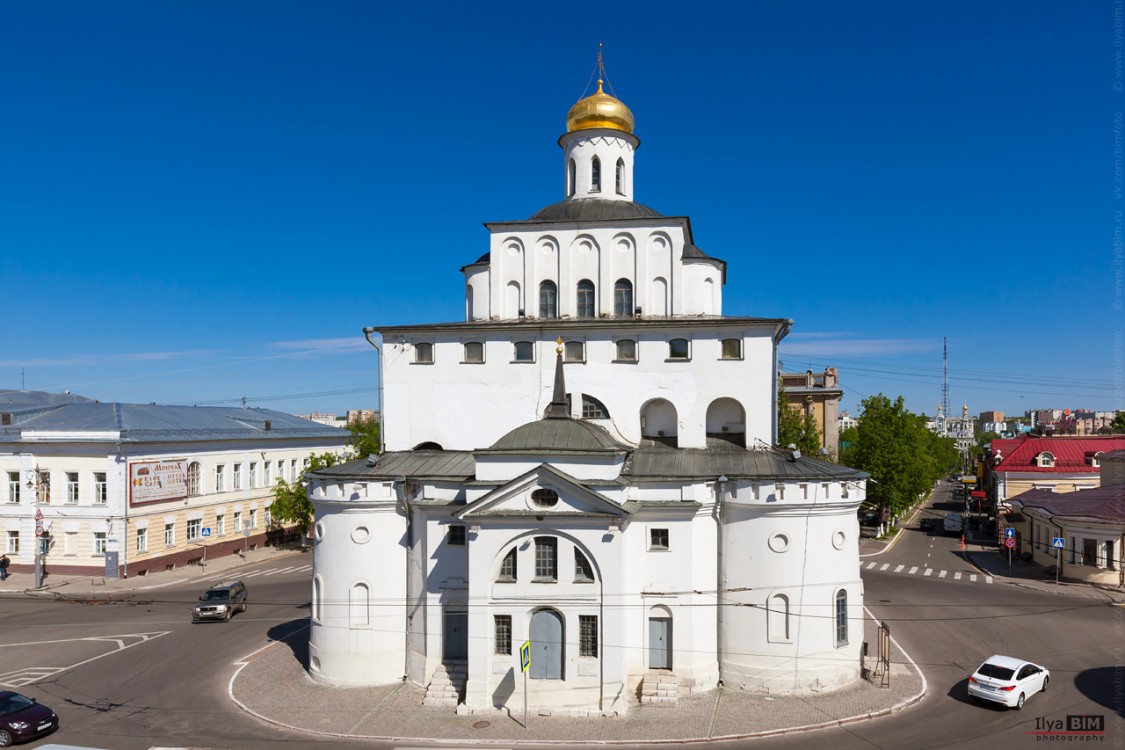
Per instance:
(945,378)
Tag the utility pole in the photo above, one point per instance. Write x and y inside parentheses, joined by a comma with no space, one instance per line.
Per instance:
(34,483)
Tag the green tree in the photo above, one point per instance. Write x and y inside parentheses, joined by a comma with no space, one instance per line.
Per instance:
(291,503)
(903,458)
(793,428)
(1118,424)
(365,437)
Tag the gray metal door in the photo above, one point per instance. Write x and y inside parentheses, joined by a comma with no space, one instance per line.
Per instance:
(546,645)
(659,643)
(456,636)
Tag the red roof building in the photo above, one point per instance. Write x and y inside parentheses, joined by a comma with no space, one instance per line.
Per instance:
(1056,464)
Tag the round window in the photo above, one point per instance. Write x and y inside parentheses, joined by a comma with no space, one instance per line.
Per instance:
(544,498)
(779,542)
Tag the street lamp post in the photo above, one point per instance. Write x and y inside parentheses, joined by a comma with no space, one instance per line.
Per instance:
(34,483)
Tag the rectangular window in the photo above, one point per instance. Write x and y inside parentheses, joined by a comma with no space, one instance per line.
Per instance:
(220,478)
(293,470)
(142,540)
(101,489)
(841,619)
(731,349)
(546,559)
(220,524)
(169,534)
(587,635)
(574,351)
(13,486)
(236,478)
(237,521)
(424,353)
(503,629)
(44,488)
(193,529)
(508,567)
(99,542)
(474,352)
(72,488)
(253,519)
(13,546)
(267,519)
(253,474)
(658,539)
(456,535)
(583,571)
(626,350)
(524,351)
(70,543)
(266,474)
(679,349)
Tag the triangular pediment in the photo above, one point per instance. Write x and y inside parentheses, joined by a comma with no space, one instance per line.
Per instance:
(543,491)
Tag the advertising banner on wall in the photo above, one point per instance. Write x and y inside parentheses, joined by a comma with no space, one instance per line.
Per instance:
(157,481)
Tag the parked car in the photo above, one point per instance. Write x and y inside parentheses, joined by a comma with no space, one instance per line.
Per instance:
(930,524)
(953,523)
(221,602)
(23,718)
(869,517)
(1002,679)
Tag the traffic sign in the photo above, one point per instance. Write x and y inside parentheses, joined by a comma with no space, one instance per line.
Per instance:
(1058,542)
(39,529)
(205,531)
(1010,532)
(1009,542)
(525,656)
(38,515)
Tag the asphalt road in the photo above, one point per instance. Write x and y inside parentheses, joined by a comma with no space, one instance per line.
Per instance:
(137,674)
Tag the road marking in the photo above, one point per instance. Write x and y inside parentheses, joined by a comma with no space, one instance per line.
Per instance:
(871,565)
(988,579)
(972,577)
(899,568)
(942,574)
(281,570)
(957,576)
(913,570)
(928,571)
(884,566)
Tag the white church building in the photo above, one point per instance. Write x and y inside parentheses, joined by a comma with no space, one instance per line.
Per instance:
(583,464)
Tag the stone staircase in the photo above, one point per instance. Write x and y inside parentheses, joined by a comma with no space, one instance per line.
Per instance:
(659,687)
(447,686)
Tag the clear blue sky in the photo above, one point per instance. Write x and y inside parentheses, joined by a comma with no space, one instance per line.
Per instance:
(202,201)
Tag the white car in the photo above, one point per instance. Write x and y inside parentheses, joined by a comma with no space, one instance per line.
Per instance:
(1002,679)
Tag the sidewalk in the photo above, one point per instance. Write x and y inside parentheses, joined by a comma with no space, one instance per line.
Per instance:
(101,586)
(274,680)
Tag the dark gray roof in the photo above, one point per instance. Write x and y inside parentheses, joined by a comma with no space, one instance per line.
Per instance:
(594,209)
(653,460)
(557,435)
(154,422)
(420,464)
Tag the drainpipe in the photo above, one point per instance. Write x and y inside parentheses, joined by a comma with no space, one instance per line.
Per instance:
(398,484)
(367,334)
(720,507)
(125,533)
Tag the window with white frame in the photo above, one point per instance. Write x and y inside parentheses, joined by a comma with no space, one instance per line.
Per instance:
(236,477)
(841,618)
(44,487)
(1046,460)
(595,175)
(658,539)
(731,349)
(266,469)
(593,409)
(679,349)
(626,350)
(548,300)
(253,518)
(574,351)
(13,545)
(546,559)
(253,474)
(587,305)
(101,488)
(587,635)
(142,540)
(503,631)
(423,353)
(72,488)
(583,570)
(193,488)
(623,298)
(267,517)
(220,524)
(169,534)
(99,542)
(194,526)
(13,486)
(474,353)
(508,567)
(293,470)
(524,351)
(220,478)
(237,521)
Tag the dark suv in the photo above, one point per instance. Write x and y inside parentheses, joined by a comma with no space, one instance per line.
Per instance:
(220,602)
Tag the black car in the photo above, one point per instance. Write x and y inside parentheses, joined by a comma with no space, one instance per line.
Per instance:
(930,524)
(23,718)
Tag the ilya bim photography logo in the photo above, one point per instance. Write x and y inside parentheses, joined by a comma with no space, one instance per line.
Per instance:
(1069,728)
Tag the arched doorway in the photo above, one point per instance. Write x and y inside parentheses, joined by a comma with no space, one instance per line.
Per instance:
(726,420)
(546,645)
(659,421)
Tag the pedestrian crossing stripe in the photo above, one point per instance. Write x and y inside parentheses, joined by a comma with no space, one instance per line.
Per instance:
(928,571)
(899,568)
(914,570)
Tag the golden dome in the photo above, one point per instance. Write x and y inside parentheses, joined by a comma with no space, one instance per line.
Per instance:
(599,110)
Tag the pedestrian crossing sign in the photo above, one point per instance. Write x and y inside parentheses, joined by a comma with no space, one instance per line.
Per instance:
(525,655)
(1058,542)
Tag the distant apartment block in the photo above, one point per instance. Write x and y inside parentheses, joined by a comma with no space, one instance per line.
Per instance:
(819,394)
(362,415)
